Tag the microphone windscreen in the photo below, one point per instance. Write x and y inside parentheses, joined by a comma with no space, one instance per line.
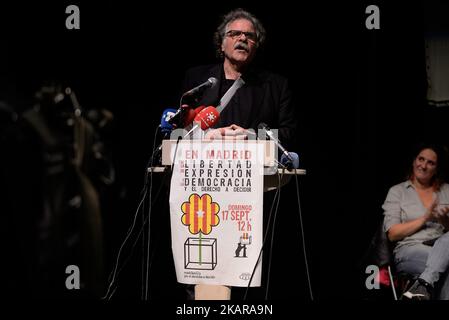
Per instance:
(207,117)
(213,81)
(286,161)
(191,114)
(166,127)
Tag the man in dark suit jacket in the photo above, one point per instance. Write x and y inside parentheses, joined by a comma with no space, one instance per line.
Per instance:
(265,97)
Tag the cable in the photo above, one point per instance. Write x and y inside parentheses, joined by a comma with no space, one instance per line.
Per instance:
(309,284)
(149,222)
(149,165)
(136,241)
(265,237)
(142,267)
(120,250)
(147,264)
(176,151)
(270,252)
(130,230)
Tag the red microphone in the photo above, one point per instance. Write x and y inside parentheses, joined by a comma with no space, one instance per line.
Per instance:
(205,119)
(191,114)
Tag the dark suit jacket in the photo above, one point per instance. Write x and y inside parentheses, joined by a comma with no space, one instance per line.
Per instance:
(265,97)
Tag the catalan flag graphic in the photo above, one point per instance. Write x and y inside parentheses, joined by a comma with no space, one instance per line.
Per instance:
(200,214)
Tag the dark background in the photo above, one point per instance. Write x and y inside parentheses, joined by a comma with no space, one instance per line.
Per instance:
(360,96)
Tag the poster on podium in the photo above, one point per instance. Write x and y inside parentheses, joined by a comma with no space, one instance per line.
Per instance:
(216,208)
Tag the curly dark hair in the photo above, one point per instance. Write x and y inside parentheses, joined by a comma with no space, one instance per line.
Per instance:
(442,159)
(236,15)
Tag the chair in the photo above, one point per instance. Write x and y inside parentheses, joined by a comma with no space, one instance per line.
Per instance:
(381,254)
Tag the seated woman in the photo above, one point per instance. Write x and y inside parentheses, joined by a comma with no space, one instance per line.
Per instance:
(417,221)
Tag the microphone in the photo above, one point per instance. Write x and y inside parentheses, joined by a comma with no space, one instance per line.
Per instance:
(270,134)
(174,120)
(205,119)
(288,163)
(191,114)
(210,83)
(166,126)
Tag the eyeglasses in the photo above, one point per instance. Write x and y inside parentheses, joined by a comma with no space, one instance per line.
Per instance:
(234,34)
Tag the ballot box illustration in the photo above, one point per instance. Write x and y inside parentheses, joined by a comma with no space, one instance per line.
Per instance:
(200,253)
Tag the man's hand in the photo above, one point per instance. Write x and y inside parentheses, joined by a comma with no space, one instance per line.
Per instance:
(233,132)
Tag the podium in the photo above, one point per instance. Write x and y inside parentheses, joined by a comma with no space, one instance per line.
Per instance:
(274,178)
(271,181)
